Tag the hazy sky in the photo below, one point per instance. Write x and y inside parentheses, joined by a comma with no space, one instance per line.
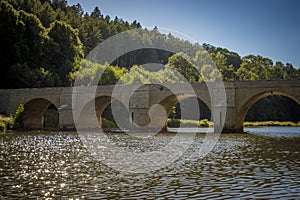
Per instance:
(270,28)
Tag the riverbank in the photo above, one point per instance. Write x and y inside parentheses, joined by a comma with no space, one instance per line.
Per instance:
(7,122)
(175,123)
(271,123)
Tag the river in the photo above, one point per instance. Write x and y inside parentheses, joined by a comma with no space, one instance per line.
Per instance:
(265,164)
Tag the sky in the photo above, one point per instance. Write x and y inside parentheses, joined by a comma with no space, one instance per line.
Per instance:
(270,28)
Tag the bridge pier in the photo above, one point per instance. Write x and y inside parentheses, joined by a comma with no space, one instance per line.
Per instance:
(66,121)
(231,111)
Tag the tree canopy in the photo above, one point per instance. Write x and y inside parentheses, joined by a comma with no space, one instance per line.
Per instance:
(44,42)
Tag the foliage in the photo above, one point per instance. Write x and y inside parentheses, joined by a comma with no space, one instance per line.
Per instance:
(4,123)
(43,44)
(270,123)
(52,36)
(182,64)
(65,50)
(51,118)
(175,123)
(17,118)
(275,108)
(2,126)
(90,72)
(108,124)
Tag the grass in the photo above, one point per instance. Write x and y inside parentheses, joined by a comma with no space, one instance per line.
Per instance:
(270,123)
(175,123)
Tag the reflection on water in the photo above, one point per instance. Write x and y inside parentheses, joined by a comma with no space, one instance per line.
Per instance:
(56,165)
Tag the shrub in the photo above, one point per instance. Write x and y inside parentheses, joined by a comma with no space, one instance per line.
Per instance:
(17,119)
(2,126)
(5,122)
(204,123)
(271,123)
(175,123)
(108,124)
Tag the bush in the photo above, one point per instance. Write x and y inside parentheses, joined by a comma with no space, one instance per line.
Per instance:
(2,126)
(17,119)
(270,123)
(108,124)
(5,123)
(175,123)
(205,123)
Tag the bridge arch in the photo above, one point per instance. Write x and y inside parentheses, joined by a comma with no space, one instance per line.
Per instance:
(242,112)
(87,118)
(169,102)
(34,113)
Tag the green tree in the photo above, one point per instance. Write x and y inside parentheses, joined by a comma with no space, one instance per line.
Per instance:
(181,63)
(65,51)
(10,27)
(46,14)
(111,75)
(227,71)
(96,13)
(254,68)
(22,39)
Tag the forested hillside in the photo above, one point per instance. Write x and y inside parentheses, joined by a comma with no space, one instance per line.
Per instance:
(44,43)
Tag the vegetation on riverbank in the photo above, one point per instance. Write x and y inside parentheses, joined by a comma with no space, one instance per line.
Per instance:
(175,123)
(12,122)
(271,123)
(4,122)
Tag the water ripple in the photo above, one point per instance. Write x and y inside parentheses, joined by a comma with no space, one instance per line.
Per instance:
(57,166)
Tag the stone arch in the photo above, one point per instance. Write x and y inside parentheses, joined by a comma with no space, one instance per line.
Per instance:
(169,102)
(34,111)
(51,118)
(91,114)
(117,116)
(241,114)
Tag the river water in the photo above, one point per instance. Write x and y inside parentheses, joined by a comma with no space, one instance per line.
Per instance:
(43,165)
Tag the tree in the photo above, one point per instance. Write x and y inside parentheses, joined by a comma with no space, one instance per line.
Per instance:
(227,71)
(96,13)
(59,4)
(65,51)
(10,27)
(183,65)
(46,14)
(22,39)
(111,75)
(254,68)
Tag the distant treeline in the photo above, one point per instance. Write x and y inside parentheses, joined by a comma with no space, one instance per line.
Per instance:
(43,43)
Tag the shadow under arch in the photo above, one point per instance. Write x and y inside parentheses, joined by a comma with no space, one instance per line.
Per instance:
(88,120)
(169,102)
(246,107)
(34,113)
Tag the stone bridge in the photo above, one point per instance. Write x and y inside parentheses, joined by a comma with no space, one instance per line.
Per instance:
(240,97)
